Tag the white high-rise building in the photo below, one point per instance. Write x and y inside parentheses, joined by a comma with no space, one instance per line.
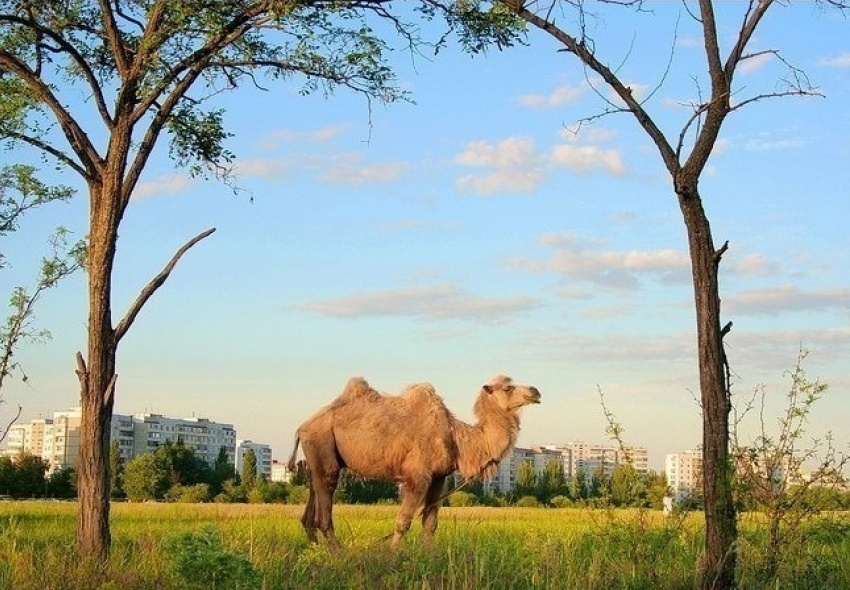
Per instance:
(57,439)
(593,459)
(203,435)
(280,471)
(684,473)
(262,452)
(504,480)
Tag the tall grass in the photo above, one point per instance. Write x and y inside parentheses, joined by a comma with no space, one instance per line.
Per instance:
(180,546)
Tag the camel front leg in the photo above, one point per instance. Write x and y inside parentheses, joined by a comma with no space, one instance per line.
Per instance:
(412,496)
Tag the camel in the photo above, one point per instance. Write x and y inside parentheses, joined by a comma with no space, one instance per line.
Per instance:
(410,438)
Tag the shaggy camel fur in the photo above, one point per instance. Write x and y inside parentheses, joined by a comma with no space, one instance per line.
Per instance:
(411,438)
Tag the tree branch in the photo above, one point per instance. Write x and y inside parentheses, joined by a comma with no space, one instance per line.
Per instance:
(155,284)
(113,36)
(46,147)
(581,50)
(78,60)
(6,430)
(73,132)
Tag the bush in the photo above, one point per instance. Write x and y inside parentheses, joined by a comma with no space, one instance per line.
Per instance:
(267,492)
(189,494)
(459,499)
(298,495)
(527,502)
(561,502)
(200,560)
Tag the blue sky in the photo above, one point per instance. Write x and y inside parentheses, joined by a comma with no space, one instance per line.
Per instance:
(475,233)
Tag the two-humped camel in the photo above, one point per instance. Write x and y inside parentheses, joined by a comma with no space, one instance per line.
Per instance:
(411,438)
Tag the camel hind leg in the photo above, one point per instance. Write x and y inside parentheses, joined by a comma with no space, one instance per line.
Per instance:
(324,475)
(433,499)
(308,520)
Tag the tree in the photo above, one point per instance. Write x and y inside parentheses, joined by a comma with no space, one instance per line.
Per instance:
(62,483)
(21,191)
(147,68)
(354,489)
(628,487)
(551,481)
(578,486)
(685,165)
(222,471)
(526,480)
(769,471)
(7,475)
(28,476)
(145,478)
(249,469)
(116,470)
(182,465)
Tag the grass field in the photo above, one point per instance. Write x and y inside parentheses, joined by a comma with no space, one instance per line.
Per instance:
(165,546)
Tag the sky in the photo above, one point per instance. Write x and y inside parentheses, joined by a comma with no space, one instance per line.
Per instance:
(478,230)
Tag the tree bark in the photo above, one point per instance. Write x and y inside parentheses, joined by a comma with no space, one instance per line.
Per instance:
(719,561)
(97,378)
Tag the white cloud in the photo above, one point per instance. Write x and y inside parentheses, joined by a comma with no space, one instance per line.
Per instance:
(754,265)
(619,270)
(588,134)
(839,61)
(776,300)
(431,303)
(171,184)
(263,167)
(763,145)
(501,181)
(351,170)
(587,158)
(558,97)
(275,138)
(508,153)
(514,164)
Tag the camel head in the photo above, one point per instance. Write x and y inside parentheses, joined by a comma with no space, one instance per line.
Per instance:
(509,395)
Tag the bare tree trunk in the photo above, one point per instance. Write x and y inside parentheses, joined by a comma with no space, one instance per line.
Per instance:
(718,567)
(97,382)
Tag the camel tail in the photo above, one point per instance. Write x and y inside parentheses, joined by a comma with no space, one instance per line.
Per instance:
(291,464)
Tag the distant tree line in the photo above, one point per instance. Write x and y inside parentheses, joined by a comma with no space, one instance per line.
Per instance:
(174,473)
(25,476)
(624,487)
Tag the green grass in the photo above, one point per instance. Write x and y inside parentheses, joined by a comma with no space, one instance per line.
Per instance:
(180,546)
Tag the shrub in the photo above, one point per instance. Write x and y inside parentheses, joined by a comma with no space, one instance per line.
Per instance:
(561,502)
(189,494)
(298,495)
(527,502)
(200,560)
(459,499)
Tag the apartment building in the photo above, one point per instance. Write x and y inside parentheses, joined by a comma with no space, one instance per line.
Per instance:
(684,473)
(591,459)
(508,468)
(57,439)
(280,471)
(203,435)
(262,452)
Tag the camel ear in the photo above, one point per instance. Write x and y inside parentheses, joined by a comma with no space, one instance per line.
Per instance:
(487,388)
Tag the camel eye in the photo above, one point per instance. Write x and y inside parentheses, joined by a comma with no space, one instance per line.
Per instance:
(508,388)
